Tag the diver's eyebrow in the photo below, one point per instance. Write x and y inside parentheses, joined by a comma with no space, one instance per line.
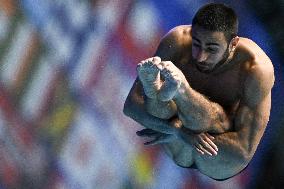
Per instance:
(207,44)
(215,44)
(196,39)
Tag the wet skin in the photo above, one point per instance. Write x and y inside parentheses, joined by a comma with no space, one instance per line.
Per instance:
(221,103)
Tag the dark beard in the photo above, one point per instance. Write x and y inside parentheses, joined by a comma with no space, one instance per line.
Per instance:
(220,63)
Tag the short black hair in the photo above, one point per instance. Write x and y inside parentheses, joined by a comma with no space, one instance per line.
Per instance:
(217,17)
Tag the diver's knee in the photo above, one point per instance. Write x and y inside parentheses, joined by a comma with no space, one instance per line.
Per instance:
(162,110)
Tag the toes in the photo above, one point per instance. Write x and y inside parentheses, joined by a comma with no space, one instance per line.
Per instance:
(166,67)
(144,66)
(165,64)
(168,63)
(149,65)
(139,65)
(167,75)
(156,60)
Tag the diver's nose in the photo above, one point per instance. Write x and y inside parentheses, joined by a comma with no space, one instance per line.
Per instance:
(202,56)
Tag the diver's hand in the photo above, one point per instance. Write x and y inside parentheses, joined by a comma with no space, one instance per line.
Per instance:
(202,142)
(157,137)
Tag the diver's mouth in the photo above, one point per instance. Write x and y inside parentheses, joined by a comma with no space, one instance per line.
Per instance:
(203,65)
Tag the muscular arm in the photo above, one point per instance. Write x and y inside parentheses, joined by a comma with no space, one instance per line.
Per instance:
(237,148)
(254,110)
(199,113)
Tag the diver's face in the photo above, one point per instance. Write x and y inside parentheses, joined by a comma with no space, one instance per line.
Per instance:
(209,49)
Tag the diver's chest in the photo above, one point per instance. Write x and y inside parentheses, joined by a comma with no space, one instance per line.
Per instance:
(223,88)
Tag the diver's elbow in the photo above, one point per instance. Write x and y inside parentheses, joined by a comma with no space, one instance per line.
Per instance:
(127,109)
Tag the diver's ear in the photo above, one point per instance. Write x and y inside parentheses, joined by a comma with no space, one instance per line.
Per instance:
(234,42)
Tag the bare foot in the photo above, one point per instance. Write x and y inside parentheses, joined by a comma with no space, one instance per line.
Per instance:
(149,75)
(173,78)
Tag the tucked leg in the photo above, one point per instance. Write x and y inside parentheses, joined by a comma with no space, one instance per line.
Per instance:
(160,109)
(181,153)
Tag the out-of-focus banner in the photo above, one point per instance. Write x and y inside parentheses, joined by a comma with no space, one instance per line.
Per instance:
(66,68)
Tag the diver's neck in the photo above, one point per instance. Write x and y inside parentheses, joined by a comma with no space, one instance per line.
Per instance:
(225,65)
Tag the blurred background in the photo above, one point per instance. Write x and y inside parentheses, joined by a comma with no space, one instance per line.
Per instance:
(66,67)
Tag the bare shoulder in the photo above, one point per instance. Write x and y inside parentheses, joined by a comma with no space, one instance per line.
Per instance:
(259,71)
(181,34)
(174,43)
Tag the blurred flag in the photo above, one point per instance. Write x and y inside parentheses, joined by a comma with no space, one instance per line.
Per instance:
(66,68)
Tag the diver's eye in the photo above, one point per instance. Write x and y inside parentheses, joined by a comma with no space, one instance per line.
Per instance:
(212,50)
(196,45)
